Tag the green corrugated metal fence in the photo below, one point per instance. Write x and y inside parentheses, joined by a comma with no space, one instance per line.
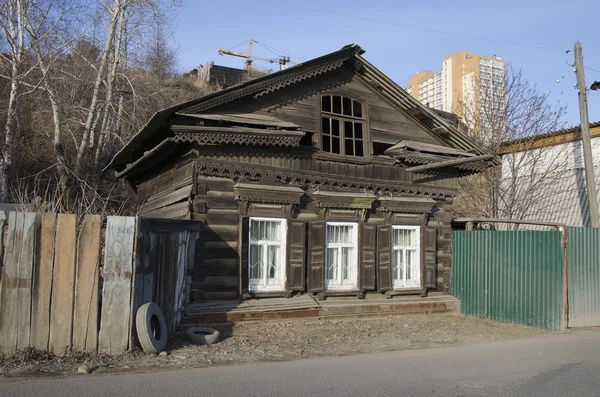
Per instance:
(510,276)
(583,253)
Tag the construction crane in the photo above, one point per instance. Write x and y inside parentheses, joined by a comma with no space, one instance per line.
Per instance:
(248,65)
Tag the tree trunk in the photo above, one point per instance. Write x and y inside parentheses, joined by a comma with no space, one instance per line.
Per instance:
(9,137)
(85,141)
(109,92)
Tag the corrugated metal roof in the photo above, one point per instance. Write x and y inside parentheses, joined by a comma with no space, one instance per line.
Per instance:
(564,131)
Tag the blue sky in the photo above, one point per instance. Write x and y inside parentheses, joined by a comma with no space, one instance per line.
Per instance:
(205,25)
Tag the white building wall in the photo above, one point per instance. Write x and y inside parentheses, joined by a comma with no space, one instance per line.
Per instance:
(553,180)
(447,85)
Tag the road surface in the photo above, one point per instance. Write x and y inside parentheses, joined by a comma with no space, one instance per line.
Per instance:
(548,365)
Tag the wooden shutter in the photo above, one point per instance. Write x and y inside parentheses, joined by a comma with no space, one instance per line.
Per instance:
(368,234)
(384,258)
(429,257)
(316,257)
(245,244)
(296,273)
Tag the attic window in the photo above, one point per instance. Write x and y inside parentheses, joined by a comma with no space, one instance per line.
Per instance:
(342,126)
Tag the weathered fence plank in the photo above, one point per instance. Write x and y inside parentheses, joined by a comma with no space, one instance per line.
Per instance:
(31,222)
(116,290)
(63,283)
(42,283)
(8,288)
(85,319)
(2,221)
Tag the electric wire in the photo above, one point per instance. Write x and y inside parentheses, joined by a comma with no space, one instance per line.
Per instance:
(411,26)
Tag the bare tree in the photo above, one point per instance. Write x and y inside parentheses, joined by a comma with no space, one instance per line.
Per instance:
(18,18)
(160,59)
(510,111)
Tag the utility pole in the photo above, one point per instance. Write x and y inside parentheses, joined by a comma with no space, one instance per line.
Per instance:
(590,181)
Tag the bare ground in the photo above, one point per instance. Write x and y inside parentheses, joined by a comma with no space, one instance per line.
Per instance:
(282,340)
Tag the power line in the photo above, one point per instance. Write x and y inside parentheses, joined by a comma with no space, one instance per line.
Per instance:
(593,70)
(276,51)
(243,42)
(411,26)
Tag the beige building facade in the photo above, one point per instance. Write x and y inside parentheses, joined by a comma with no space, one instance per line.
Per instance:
(471,86)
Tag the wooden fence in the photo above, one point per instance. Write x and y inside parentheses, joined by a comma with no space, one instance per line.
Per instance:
(53,270)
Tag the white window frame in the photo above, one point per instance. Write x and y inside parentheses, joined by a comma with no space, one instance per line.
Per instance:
(339,246)
(401,283)
(263,284)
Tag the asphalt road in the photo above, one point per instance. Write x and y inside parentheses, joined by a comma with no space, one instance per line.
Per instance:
(548,365)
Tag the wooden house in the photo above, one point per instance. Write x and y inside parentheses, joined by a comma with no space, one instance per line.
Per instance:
(325,178)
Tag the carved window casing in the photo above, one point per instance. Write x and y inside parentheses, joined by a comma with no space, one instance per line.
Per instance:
(343,126)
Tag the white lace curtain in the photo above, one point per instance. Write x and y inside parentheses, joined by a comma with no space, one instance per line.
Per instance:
(265,230)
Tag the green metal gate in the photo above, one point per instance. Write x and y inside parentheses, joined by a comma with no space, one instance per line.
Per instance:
(510,276)
(583,253)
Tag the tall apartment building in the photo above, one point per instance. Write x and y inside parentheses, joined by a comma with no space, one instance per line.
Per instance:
(471,86)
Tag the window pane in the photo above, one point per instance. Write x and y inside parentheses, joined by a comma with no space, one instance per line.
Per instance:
(348,130)
(397,269)
(326,143)
(339,234)
(347,264)
(265,230)
(337,105)
(326,103)
(335,127)
(349,147)
(357,109)
(358,130)
(274,253)
(331,263)
(358,148)
(325,125)
(347,105)
(255,262)
(412,269)
(335,145)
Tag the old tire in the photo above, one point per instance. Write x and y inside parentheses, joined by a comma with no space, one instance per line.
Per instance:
(202,335)
(151,328)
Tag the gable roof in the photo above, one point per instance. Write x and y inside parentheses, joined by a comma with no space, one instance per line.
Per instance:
(298,73)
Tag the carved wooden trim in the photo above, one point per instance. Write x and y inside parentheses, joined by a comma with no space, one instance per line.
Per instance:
(271,85)
(253,173)
(268,194)
(407,206)
(234,138)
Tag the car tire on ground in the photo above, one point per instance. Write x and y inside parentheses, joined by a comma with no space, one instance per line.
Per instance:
(151,328)
(202,335)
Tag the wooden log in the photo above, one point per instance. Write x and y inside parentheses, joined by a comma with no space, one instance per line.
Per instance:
(8,287)
(223,295)
(24,291)
(219,217)
(42,284)
(116,290)
(177,210)
(178,195)
(203,203)
(63,283)
(167,225)
(85,321)
(221,233)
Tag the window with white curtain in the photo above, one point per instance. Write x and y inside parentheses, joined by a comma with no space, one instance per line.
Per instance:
(266,265)
(406,264)
(341,255)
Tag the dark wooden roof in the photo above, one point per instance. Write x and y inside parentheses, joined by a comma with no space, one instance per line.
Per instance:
(148,137)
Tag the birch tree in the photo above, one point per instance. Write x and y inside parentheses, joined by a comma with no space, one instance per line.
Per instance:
(510,112)
(17,19)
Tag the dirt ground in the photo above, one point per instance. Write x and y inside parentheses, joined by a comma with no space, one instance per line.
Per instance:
(282,340)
